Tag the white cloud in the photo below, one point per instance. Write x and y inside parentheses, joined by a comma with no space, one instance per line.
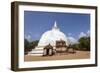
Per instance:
(72,40)
(69,34)
(82,34)
(88,33)
(28,37)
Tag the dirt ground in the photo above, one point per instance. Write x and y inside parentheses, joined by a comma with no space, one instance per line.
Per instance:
(67,56)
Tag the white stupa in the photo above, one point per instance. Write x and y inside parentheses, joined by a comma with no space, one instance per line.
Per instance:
(49,37)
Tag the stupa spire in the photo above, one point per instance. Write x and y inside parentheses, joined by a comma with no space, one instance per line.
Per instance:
(55,25)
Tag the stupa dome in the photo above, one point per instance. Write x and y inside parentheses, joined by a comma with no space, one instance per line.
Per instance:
(51,36)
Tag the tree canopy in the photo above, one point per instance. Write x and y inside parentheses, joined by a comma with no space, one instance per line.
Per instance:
(83,44)
(28,46)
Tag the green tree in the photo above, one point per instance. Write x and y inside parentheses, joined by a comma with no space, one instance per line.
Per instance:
(35,43)
(84,43)
(29,45)
(26,46)
(76,46)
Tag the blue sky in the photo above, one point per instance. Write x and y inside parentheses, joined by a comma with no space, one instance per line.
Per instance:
(72,24)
